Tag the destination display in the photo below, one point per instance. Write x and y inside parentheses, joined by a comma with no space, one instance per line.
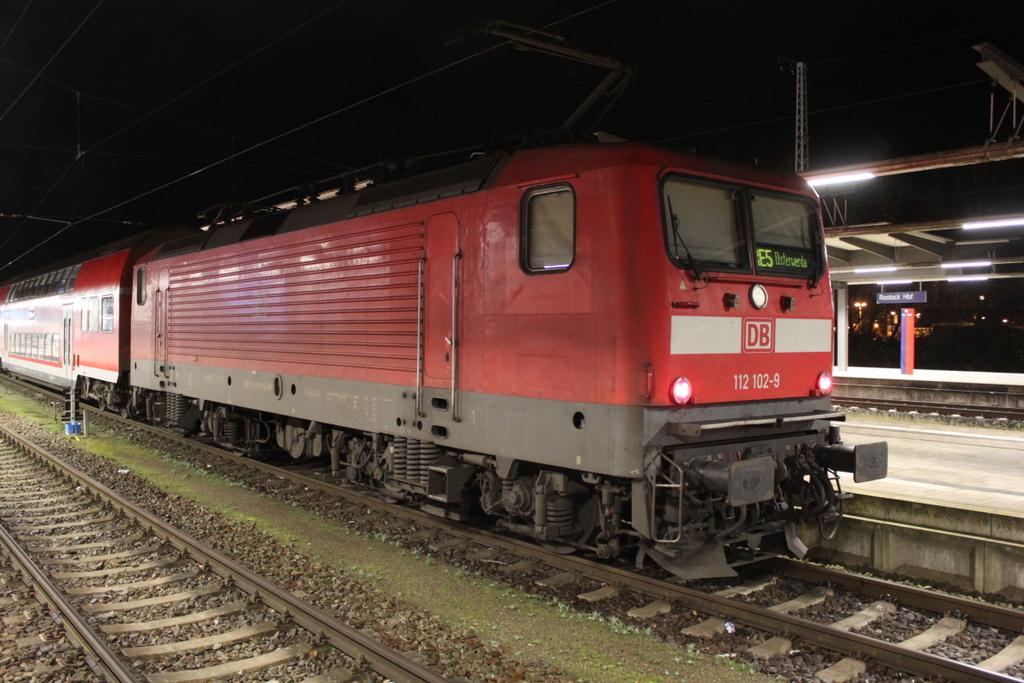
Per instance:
(785,259)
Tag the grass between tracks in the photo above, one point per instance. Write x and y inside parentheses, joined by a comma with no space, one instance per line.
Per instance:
(530,628)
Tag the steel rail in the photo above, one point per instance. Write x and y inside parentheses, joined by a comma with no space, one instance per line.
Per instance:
(381,659)
(98,654)
(927,407)
(986,613)
(887,654)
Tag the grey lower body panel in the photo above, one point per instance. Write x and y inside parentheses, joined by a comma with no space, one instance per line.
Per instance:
(41,375)
(602,439)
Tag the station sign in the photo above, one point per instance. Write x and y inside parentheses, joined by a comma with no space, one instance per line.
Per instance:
(918,297)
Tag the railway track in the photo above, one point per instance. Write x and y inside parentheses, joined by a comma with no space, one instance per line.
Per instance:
(100,554)
(44,619)
(927,407)
(778,610)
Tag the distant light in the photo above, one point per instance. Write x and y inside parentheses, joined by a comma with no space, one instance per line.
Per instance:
(967,264)
(894,282)
(876,269)
(968,278)
(838,179)
(1005,320)
(1002,223)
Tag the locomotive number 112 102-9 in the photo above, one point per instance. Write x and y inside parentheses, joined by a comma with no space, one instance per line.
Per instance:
(756,381)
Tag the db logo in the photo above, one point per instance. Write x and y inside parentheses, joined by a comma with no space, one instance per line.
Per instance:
(758,335)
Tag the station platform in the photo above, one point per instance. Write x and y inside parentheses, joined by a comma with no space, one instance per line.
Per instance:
(950,513)
(978,389)
(961,467)
(933,376)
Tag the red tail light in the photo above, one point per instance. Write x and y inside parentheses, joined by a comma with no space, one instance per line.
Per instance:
(680,391)
(825,383)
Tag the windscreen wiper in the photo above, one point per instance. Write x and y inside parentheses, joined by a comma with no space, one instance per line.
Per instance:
(678,240)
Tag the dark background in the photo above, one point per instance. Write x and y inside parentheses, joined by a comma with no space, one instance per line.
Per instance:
(117,116)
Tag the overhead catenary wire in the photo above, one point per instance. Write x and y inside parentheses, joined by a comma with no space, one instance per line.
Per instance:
(78,156)
(274,138)
(153,157)
(817,67)
(220,73)
(50,61)
(823,110)
(925,41)
(154,114)
(14,27)
(26,89)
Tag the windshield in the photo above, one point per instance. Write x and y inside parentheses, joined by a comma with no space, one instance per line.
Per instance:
(708,226)
(784,230)
(703,220)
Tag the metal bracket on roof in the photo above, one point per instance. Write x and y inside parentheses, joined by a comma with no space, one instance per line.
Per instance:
(524,38)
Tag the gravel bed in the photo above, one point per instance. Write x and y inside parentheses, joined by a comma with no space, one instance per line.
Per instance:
(453,652)
(899,625)
(457,652)
(833,608)
(781,590)
(973,645)
(1016,671)
(915,416)
(53,662)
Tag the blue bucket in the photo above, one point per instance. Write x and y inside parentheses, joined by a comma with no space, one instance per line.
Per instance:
(73,428)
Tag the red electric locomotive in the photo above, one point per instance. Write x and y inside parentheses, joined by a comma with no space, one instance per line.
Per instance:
(605,347)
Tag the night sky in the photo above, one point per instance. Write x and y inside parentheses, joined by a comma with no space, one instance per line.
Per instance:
(117,116)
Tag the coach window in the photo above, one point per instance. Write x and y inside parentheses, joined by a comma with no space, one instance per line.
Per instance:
(785,230)
(107,314)
(91,314)
(62,285)
(549,229)
(703,229)
(73,276)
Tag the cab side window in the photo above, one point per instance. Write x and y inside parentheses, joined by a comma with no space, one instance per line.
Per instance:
(140,286)
(549,229)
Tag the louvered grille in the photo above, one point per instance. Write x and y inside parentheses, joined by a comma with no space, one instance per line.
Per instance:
(347,301)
